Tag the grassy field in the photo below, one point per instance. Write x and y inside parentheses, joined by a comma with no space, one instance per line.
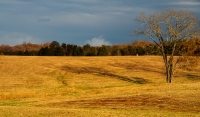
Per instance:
(95,86)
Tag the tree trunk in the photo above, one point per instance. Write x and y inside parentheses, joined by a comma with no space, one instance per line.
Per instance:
(168,67)
(169,63)
(169,73)
(169,70)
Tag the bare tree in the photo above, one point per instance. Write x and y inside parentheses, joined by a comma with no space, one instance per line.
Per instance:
(166,28)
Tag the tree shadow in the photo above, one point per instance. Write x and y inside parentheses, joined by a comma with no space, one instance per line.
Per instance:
(145,68)
(193,77)
(103,72)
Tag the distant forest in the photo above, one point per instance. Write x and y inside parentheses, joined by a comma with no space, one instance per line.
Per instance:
(186,47)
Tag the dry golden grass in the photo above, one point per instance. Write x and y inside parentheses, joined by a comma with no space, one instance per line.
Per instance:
(95,86)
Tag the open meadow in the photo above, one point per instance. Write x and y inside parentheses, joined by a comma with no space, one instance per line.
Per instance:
(121,86)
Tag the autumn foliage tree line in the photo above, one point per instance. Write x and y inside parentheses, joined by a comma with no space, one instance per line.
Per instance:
(185,47)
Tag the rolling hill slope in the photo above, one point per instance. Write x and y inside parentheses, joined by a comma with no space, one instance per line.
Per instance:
(95,86)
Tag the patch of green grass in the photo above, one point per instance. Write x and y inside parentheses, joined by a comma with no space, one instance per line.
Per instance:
(14,102)
(87,87)
(62,80)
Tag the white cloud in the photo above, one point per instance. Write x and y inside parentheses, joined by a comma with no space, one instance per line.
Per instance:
(186,3)
(97,41)
(18,38)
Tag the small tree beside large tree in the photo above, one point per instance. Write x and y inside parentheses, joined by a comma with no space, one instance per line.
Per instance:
(166,28)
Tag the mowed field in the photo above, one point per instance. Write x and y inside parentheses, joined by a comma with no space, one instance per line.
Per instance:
(96,86)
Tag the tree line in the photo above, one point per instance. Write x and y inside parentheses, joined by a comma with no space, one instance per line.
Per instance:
(190,47)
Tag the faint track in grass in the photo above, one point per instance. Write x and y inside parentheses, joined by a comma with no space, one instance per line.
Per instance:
(138,102)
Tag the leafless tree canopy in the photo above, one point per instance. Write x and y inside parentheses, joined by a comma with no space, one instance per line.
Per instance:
(168,25)
(166,28)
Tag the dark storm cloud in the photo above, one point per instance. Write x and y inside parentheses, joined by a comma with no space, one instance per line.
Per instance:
(78,21)
(44,20)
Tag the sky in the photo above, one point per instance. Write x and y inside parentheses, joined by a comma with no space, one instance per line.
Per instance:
(78,22)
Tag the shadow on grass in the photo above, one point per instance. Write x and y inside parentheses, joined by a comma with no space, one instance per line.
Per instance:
(141,102)
(103,72)
(193,77)
(146,68)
